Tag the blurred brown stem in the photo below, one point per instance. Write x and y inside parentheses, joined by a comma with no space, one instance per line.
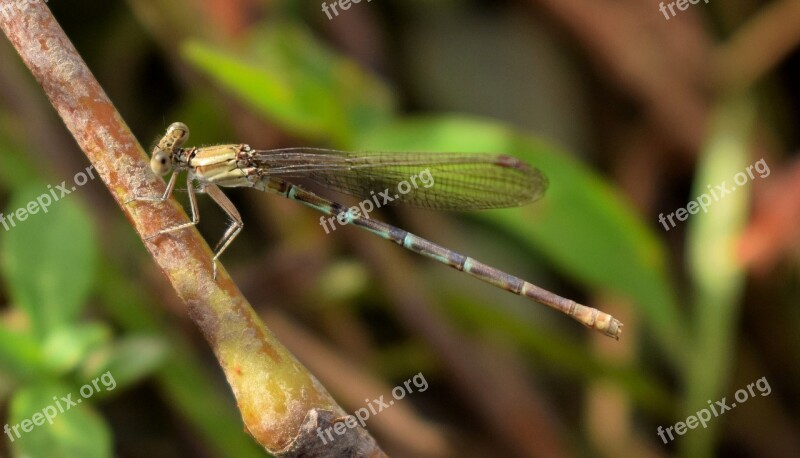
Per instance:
(759,46)
(282,404)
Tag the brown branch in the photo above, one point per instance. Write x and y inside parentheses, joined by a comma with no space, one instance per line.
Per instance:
(282,404)
(759,46)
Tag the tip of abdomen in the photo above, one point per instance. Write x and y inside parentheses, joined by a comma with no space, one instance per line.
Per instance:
(595,319)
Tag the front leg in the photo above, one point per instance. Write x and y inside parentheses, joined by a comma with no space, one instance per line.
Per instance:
(167,194)
(162,198)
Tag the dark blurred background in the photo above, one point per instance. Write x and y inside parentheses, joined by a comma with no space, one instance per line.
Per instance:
(631,113)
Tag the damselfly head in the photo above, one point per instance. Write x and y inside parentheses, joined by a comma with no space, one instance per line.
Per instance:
(164,152)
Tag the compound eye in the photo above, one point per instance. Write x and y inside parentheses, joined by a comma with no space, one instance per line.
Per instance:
(161,163)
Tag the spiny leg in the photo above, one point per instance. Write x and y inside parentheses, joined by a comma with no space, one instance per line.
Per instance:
(192,205)
(218,196)
(233,230)
(161,198)
(588,316)
(164,197)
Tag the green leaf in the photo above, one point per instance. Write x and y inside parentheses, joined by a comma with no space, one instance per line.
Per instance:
(65,347)
(49,258)
(39,428)
(20,354)
(16,168)
(298,83)
(582,225)
(717,274)
(127,361)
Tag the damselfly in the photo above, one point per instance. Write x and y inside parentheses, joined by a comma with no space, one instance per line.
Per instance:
(462,182)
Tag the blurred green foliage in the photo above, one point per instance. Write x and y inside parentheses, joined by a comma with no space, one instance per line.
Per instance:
(50,351)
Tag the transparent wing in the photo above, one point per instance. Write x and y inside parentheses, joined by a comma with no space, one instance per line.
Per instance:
(440,181)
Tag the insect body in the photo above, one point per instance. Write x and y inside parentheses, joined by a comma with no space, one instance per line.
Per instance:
(462,182)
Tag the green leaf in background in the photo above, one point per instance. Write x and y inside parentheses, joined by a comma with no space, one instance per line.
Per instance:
(128,361)
(16,169)
(51,289)
(583,227)
(297,82)
(717,275)
(65,347)
(20,354)
(77,432)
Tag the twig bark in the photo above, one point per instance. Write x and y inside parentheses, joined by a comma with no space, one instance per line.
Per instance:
(281,403)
